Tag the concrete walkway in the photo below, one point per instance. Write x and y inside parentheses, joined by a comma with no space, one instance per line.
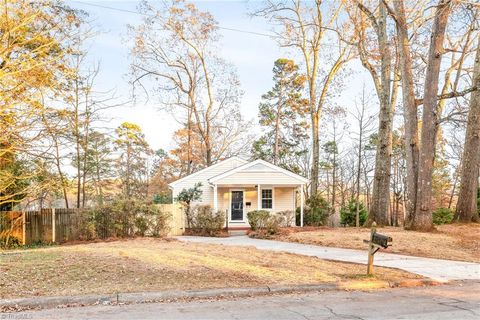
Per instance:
(436,269)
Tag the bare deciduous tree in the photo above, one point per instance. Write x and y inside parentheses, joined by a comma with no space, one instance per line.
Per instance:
(466,209)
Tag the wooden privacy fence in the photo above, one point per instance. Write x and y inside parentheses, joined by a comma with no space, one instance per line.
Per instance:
(46,225)
(62,225)
(177,218)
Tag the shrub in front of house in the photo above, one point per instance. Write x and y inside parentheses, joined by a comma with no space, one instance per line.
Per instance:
(288,218)
(315,213)
(348,213)
(121,219)
(264,224)
(257,218)
(206,222)
(442,216)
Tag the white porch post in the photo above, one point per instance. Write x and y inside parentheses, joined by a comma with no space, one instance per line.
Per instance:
(215,198)
(259,199)
(301,205)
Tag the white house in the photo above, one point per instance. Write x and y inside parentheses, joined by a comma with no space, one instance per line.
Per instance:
(237,186)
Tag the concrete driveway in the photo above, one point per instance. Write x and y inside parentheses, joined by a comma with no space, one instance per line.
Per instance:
(436,269)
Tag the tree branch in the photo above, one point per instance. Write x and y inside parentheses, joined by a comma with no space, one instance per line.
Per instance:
(453,94)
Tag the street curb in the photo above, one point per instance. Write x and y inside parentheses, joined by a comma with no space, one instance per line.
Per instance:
(146,297)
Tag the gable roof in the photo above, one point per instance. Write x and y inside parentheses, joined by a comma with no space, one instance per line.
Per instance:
(255,163)
(172,184)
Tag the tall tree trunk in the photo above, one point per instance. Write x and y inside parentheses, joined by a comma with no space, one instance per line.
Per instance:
(381,181)
(128,173)
(60,173)
(85,156)
(315,155)
(334,180)
(99,178)
(277,135)
(359,171)
(423,213)
(76,133)
(189,141)
(409,111)
(454,188)
(466,210)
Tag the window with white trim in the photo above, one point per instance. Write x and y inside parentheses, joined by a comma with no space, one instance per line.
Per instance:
(267,199)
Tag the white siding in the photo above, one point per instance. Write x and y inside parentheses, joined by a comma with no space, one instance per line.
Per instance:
(283,199)
(256,177)
(203,176)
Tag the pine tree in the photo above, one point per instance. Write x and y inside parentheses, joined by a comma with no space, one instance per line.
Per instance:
(280,113)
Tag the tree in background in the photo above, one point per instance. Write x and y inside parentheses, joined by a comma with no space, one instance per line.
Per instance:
(423,75)
(398,183)
(364,121)
(423,211)
(280,113)
(467,205)
(375,53)
(304,27)
(132,162)
(177,47)
(35,44)
(99,161)
(349,213)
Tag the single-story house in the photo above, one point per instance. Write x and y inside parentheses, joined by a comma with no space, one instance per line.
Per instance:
(236,186)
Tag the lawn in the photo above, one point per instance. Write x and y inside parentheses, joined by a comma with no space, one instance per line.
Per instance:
(155,265)
(452,242)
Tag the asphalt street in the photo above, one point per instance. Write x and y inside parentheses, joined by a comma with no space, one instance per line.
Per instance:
(452,301)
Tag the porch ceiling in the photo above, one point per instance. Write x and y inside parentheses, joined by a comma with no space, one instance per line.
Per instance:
(240,185)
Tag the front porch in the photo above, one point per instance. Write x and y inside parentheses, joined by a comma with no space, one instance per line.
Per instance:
(257,185)
(236,200)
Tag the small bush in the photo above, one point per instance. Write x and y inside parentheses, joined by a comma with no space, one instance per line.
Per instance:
(265,224)
(288,218)
(315,213)
(9,242)
(141,225)
(348,213)
(257,218)
(442,216)
(207,222)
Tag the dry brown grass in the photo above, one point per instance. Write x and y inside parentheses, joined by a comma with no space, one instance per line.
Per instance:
(453,242)
(154,265)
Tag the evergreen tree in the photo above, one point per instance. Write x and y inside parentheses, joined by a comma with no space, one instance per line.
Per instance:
(132,163)
(280,113)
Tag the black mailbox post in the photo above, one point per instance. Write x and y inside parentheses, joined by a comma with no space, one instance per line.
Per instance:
(376,242)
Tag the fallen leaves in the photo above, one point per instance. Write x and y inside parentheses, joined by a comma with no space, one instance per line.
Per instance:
(154,265)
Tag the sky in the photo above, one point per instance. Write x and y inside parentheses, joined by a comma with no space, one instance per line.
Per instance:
(252,55)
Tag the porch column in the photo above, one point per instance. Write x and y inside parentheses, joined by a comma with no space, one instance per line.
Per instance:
(301,205)
(259,197)
(215,198)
